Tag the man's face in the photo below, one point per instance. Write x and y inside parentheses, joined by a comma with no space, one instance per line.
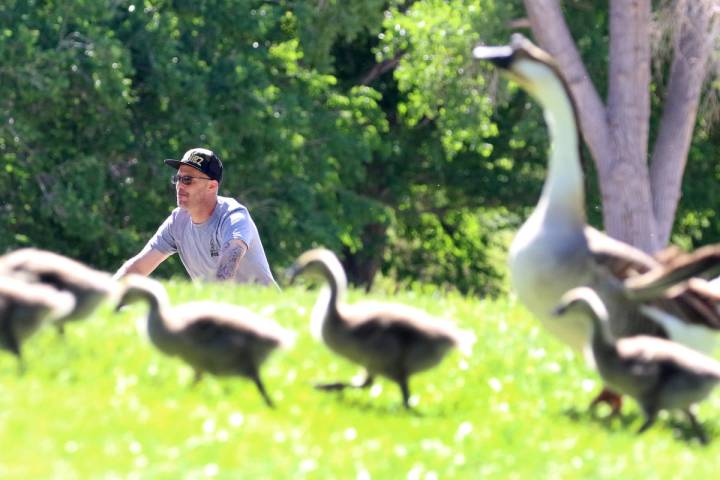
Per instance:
(190,195)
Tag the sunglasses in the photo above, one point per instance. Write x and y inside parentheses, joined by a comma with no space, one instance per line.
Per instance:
(186,179)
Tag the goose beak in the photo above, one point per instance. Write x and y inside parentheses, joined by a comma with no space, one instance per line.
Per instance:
(499,55)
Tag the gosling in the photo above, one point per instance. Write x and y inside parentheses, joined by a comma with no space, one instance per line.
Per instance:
(24,308)
(220,339)
(659,374)
(391,340)
(89,286)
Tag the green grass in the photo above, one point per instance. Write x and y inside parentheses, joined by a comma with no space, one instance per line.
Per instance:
(102,403)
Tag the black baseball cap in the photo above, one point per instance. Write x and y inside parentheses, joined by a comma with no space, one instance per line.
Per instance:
(200,159)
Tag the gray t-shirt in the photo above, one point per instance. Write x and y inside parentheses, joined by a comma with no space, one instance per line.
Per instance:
(199,244)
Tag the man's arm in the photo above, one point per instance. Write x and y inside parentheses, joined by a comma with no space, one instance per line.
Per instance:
(230,257)
(144,263)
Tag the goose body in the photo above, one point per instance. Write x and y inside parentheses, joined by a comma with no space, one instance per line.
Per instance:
(555,250)
(220,339)
(89,286)
(391,340)
(24,308)
(659,374)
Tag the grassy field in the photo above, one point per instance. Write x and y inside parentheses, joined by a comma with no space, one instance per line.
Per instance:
(102,403)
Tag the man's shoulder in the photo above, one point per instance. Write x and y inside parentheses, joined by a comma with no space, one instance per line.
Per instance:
(229,205)
(179,215)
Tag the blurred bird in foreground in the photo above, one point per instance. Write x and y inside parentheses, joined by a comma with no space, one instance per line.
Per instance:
(392,340)
(89,286)
(659,374)
(555,250)
(221,339)
(24,308)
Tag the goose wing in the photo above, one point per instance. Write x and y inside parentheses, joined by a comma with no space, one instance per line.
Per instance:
(651,278)
(658,350)
(675,267)
(621,259)
(694,302)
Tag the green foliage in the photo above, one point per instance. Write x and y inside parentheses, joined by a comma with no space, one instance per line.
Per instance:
(696,219)
(437,75)
(103,403)
(462,249)
(365,127)
(95,104)
(65,86)
(97,97)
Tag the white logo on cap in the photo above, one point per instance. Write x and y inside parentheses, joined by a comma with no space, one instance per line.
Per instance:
(196,159)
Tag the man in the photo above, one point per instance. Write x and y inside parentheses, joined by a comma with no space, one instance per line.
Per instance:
(215,236)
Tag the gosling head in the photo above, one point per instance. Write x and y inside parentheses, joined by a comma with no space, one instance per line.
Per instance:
(319,262)
(586,302)
(135,288)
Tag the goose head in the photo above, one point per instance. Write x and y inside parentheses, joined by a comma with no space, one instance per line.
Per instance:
(526,64)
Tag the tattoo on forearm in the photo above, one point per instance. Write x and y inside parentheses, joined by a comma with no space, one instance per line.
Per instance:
(230,260)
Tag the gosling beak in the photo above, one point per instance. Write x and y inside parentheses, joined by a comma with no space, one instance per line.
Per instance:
(121,306)
(560,310)
(291,274)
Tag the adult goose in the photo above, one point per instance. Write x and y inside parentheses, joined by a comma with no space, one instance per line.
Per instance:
(555,250)
(658,373)
(220,339)
(391,340)
(24,308)
(89,286)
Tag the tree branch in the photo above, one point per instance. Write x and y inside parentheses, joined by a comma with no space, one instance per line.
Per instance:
(380,68)
(692,47)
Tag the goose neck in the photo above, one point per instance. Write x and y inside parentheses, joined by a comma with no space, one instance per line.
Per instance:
(564,184)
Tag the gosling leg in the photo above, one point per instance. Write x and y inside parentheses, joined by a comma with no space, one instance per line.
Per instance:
(650,417)
(405,389)
(60,328)
(261,388)
(13,345)
(197,377)
(697,428)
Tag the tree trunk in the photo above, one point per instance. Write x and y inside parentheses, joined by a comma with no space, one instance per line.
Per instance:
(692,49)
(362,266)
(638,205)
(625,177)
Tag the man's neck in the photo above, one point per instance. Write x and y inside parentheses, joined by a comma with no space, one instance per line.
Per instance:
(203,212)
